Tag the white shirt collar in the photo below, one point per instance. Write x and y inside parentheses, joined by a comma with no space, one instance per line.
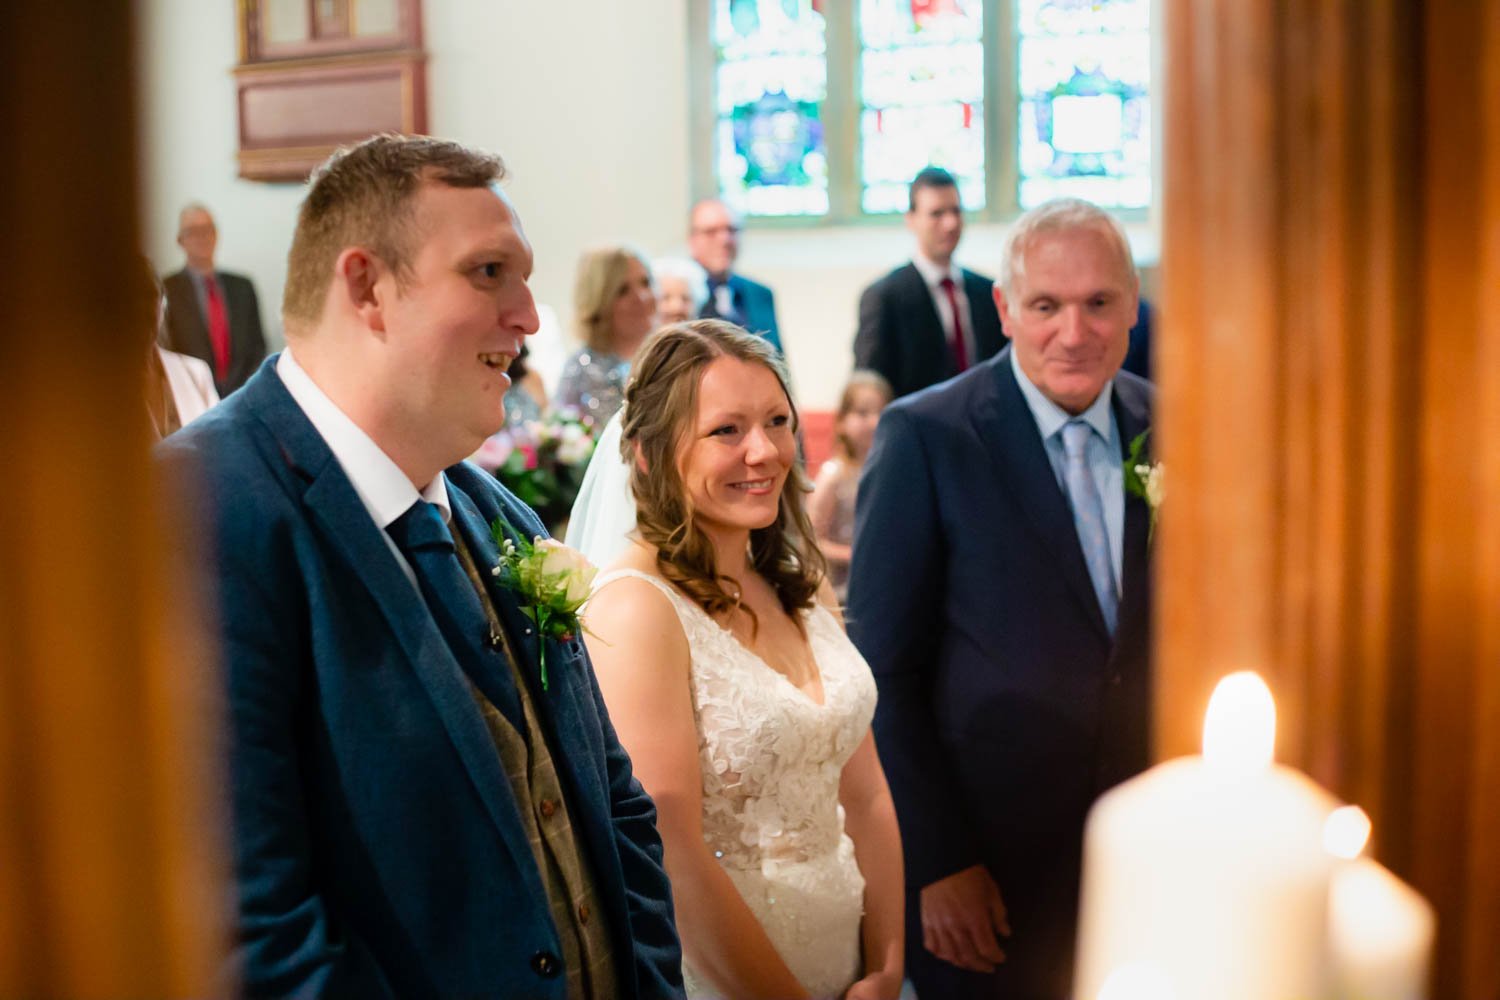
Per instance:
(1050,417)
(934,274)
(380,483)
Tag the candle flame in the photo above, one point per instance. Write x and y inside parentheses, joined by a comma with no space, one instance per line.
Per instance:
(1239,731)
(1137,981)
(1346,831)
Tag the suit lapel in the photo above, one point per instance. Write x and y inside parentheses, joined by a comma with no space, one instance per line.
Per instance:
(558,708)
(1007,426)
(1133,417)
(919,297)
(347,528)
(189,318)
(988,338)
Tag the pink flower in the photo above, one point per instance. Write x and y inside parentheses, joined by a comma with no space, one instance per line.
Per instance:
(493,453)
(529,452)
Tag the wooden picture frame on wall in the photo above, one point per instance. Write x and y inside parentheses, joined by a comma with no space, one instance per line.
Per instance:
(316,74)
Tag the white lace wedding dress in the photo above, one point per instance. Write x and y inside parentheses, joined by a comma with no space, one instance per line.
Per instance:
(771,758)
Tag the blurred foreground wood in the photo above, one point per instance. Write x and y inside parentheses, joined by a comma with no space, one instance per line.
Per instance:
(1330,366)
(111,846)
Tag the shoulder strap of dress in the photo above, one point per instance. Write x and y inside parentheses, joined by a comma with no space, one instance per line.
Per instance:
(605,579)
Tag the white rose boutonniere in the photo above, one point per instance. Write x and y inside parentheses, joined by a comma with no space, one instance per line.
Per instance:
(1145,479)
(551,580)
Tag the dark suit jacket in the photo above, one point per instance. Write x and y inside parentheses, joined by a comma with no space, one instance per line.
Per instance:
(756,303)
(901,335)
(378,850)
(1005,707)
(187,332)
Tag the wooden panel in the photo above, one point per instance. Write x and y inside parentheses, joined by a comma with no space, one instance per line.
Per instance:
(1330,338)
(293,115)
(326,28)
(110,853)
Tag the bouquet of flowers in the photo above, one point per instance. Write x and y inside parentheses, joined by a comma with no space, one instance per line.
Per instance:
(542,462)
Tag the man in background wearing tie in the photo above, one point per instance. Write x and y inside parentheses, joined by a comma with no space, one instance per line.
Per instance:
(212,315)
(714,241)
(1000,589)
(931,319)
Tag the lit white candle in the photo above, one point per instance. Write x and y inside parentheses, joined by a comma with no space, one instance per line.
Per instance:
(1210,871)
(1380,931)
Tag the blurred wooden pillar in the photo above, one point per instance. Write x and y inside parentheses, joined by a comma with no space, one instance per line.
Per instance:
(110,845)
(1330,365)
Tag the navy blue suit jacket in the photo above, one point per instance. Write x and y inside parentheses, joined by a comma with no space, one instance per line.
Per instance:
(1005,706)
(901,336)
(378,850)
(758,305)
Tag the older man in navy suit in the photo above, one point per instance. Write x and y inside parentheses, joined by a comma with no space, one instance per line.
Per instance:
(417,813)
(1000,589)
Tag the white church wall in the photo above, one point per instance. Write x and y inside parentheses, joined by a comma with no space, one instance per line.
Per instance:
(588,103)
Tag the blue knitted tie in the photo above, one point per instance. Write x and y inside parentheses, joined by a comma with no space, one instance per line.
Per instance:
(423,538)
(1088,518)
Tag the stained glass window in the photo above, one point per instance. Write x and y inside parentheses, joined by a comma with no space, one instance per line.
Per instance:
(921,84)
(770,86)
(912,80)
(1085,114)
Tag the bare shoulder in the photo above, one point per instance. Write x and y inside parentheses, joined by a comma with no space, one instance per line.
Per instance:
(631,613)
(830,601)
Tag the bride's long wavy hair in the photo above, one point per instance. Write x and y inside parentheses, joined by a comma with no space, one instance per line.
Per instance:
(661,403)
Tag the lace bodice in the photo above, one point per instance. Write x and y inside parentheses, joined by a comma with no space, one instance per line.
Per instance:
(771,760)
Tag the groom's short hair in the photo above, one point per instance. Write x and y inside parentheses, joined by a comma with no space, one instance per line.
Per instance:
(362,196)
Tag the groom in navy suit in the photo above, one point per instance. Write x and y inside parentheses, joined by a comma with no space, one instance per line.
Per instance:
(1000,589)
(414,813)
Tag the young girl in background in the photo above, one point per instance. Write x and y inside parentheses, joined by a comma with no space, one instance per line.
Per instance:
(831,506)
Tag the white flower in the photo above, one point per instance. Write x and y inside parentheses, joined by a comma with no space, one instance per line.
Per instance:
(566,568)
(575,448)
(1151,477)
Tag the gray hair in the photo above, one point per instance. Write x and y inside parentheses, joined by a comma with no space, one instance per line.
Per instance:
(193,206)
(689,271)
(1058,215)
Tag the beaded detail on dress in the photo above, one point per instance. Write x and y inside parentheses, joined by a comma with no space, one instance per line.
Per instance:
(771,759)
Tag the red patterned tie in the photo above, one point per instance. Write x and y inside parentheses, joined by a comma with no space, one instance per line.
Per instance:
(218,327)
(960,349)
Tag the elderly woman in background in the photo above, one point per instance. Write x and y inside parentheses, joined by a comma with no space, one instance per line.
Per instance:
(614,304)
(681,289)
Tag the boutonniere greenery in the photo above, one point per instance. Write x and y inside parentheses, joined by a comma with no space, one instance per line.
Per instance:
(551,580)
(1143,478)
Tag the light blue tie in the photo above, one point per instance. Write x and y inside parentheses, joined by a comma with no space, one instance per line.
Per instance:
(1088,518)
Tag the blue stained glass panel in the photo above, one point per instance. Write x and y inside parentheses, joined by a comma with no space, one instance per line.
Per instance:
(921,95)
(771,80)
(1085,109)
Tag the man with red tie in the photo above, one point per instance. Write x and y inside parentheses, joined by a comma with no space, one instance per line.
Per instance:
(930,319)
(211,314)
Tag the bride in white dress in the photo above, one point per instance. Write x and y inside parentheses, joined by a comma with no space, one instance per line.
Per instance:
(729,679)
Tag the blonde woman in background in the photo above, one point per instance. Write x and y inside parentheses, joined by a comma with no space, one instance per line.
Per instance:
(614,306)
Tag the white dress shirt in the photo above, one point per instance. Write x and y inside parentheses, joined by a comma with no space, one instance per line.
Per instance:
(380,483)
(1103,455)
(933,274)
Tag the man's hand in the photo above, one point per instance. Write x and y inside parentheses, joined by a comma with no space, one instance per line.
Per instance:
(960,917)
